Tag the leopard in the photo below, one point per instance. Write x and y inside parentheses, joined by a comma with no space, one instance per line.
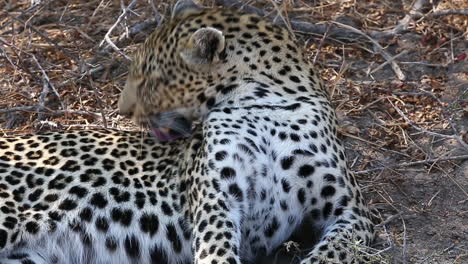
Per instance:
(242,151)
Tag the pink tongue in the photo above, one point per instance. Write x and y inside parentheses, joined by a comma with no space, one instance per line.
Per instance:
(164,136)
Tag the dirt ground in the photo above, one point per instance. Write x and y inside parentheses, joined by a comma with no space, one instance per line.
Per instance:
(397,71)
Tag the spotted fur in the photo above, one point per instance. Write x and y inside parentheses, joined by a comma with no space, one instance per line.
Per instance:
(264,159)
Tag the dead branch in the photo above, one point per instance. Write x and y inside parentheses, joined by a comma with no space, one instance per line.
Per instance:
(25,12)
(345,34)
(409,164)
(390,219)
(380,49)
(299,26)
(132,31)
(75,112)
(40,109)
(44,36)
(47,84)
(415,13)
(427,64)
(241,6)
(119,19)
(42,97)
(157,16)
(13,48)
(420,129)
(51,124)
(462,12)
(404,23)
(4,54)
(404,246)
(378,68)
(283,18)
(319,48)
(139,27)
(98,99)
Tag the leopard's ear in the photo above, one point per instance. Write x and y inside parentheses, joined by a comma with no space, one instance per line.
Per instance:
(204,47)
(183,8)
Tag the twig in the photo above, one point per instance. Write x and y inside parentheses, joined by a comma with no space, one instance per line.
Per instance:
(362,108)
(241,6)
(405,249)
(408,164)
(452,39)
(379,48)
(4,54)
(74,126)
(42,97)
(133,30)
(457,184)
(39,109)
(403,24)
(64,10)
(296,25)
(157,16)
(285,20)
(98,99)
(435,65)
(429,203)
(75,112)
(448,12)
(141,26)
(420,129)
(26,69)
(378,68)
(346,34)
(44,36)
(319,48)
(91,19)
(47,84)
(119,19)
(390,219)
(24,12)
(415,13)
(450,121)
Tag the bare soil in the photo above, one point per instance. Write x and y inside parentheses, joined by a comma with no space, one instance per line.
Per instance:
(400,87)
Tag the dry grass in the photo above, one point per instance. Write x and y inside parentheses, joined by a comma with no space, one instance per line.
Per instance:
(398,79)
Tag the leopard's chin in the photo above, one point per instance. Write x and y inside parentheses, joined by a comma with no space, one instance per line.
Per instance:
(166,134)
(169,126)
